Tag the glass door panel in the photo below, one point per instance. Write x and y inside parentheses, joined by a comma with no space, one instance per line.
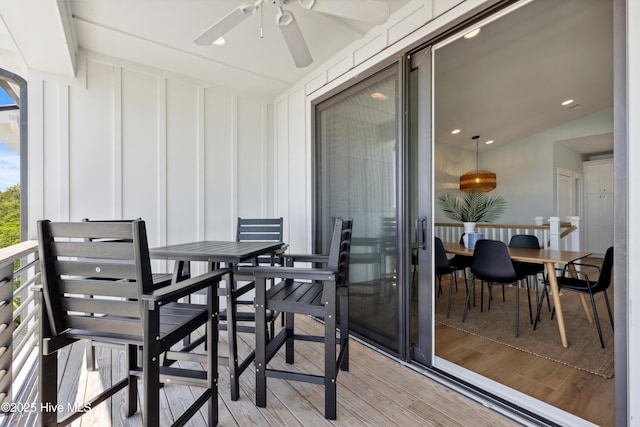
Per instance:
(356,171)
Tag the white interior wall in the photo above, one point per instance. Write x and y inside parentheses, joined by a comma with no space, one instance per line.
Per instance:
(125,141)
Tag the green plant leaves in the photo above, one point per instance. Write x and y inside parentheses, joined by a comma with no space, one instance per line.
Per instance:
(476,206)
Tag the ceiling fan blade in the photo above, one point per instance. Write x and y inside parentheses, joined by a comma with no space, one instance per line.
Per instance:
(294,39)
(373,11)
(225,24)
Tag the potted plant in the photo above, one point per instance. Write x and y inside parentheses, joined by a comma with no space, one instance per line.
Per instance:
(476,206)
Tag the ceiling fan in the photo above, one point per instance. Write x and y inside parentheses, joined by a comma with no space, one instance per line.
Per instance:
(373,11)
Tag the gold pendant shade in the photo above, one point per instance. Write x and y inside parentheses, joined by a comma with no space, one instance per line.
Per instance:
(478,180)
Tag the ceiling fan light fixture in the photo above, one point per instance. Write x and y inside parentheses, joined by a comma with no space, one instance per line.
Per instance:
(372,11)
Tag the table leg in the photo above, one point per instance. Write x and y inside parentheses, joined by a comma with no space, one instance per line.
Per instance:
(555,294)
(232,337)
(586,305)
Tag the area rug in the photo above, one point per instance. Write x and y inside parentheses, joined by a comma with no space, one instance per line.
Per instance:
(498,325)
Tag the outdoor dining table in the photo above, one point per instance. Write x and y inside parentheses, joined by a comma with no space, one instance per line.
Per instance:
(541,256)
(230,253)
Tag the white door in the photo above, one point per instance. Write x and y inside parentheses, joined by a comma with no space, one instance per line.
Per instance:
(564,194)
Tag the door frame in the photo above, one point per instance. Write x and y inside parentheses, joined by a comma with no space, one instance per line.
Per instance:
(423,352)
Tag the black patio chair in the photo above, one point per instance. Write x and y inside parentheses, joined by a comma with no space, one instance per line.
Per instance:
(255,230)
(578,281)
(97,284)
(315,292)
(159,280)
(492,264)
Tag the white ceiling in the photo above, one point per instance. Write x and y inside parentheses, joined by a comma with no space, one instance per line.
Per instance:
(505,84)
(509,81)
(161,32)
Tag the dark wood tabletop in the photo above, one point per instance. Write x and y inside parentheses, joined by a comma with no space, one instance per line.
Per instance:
(215,251)
(230,253)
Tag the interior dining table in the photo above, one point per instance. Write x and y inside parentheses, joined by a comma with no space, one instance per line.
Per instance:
(550,258)
(230,253)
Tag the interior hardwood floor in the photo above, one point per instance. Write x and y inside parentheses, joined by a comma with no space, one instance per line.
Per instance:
(581,393)
(376,391)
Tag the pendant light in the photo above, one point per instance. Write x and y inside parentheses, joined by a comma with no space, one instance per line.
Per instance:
(478,180)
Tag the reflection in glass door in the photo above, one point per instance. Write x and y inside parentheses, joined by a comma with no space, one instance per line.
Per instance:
(356,162)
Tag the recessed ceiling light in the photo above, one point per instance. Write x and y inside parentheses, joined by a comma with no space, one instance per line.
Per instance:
(220,41)
(567,102)
(471,34)
(455,131)
(379,96)
(489,141)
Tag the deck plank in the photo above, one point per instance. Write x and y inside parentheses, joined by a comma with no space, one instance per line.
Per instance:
(376,390)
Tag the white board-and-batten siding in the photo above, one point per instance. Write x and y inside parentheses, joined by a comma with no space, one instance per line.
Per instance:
(123,141)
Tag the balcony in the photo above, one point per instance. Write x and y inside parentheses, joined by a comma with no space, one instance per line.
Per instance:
(377,390)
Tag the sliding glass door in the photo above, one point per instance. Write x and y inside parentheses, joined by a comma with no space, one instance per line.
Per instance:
(356,160)
(389,146)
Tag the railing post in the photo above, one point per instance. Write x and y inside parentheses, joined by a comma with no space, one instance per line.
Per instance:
(554,233)
(574,238)
(6,331)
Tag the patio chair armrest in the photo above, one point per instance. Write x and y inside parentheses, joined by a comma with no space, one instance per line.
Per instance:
(186,287)
(282,249)
(315,258)
(294,273)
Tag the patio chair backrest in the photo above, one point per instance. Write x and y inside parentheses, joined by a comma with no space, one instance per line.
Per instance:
(340,250)
(94,274)
(259,229)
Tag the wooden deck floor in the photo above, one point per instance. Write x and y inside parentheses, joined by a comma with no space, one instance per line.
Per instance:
(376,391)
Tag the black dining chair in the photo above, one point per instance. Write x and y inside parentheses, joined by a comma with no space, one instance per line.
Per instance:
(578,281)
(97,285)
(491,263)
(461,262)
(443,268)
(528,269)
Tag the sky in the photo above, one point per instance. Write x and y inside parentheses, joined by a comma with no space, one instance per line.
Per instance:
(9,160)
(9,167)
(5,99)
